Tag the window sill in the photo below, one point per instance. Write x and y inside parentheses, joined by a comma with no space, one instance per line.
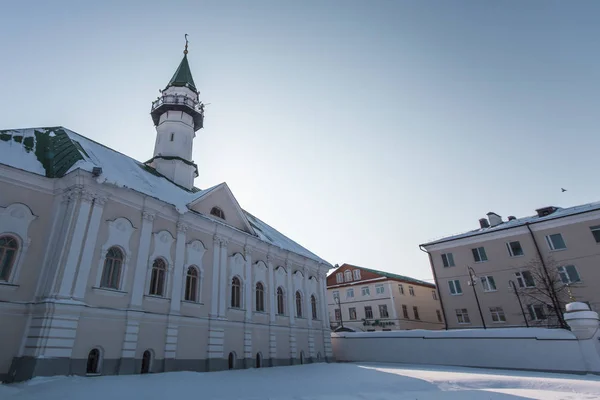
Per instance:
(481,262)
(236,309)
(195,303)
(464,323)
(109,292)
(554,250)
(498,322)
(94,374)
(456,294)
(260,312)
(490,291)
(519,256)
(8,286)
(156,299)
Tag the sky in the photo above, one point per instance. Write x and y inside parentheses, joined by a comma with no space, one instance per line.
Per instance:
(359,129)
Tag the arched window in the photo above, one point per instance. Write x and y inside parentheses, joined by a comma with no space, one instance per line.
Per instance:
(146,362)
(258,360)
(313,305)
(93,362)
(191,284)
(280,302)
(236,288)
(8,255)
(302,357)
(260,297)
(157,281)
(111,275)
(298,305)
(217,212)
(348,275)
(231,360)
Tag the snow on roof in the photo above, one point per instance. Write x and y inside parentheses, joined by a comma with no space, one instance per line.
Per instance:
(559,213)
(54,152)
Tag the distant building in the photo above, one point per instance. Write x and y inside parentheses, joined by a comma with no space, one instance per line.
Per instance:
(501,251)
(363,299)
(109,265)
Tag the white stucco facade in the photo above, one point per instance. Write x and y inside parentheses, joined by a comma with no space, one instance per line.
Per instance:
(109,276)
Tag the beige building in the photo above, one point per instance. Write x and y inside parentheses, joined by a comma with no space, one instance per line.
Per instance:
(509,262)
(363,299)
(113,266)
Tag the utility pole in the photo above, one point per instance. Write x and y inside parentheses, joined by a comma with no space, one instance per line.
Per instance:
(472,283)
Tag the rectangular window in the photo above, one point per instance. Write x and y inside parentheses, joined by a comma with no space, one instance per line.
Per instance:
(379,289)
(348,275)
(336,294)
(462,316)
(368,312)
(448,260)
(416,312)
(514,248)
(497,314)
(439,315)
(349,293)
(568,274)
(338,314)
(366,291)
(455,288)
(411,290)
(488,283)
(356,273)
(479,254)
(556,242)
(352,312)
(434,294)
(339,277)
(383,313)
(405,311)
(401,288)
(596,232)
(525,279)
(536,312)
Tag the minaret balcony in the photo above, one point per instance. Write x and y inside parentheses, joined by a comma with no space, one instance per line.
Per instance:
(178,102)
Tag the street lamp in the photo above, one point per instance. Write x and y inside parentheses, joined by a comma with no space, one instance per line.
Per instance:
(514,287)
(472,283)
(337,300)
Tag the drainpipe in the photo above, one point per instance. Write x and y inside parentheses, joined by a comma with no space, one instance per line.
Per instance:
(437,286)
(553,295)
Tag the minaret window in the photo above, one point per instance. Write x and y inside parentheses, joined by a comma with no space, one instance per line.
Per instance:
(217,212)
(172,136)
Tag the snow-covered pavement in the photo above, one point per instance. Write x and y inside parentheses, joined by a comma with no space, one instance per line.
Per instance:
(358,381)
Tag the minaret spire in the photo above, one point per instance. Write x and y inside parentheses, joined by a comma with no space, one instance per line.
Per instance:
(186,44)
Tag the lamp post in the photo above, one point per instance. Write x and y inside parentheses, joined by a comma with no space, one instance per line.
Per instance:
(514,287)
(337,300)
(472,283)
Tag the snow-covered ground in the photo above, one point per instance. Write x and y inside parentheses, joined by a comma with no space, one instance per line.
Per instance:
(315,382)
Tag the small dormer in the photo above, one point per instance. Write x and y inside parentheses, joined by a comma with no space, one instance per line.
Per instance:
(545,211)
(494,219)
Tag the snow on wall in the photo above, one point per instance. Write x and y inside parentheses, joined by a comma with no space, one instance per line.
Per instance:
(512,348)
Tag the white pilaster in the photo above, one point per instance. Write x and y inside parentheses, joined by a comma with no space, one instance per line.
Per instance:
(178,268)
(249,286)
(132,330)
(311,345)
(171,340)
(223,279)
(272,346)
(141,268)
(216,340)
(307,306)
(393,309)
(290,292)
(272,292)
(248,344)
(322,289)
(77,236)
(89,249)
(214,300)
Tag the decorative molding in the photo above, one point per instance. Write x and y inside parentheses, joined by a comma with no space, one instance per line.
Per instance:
(15,220)
(100,200)
(148,216)
(120,231)
(182,227)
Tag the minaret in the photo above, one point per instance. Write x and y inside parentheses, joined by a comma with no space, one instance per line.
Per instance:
(177,115)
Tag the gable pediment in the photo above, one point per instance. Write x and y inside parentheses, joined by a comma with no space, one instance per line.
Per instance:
(221,198)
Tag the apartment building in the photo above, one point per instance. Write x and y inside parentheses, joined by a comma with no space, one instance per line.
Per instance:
(503,265)
(363,299)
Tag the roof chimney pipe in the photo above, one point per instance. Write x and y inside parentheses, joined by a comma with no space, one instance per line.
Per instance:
(483,223)
(494,218)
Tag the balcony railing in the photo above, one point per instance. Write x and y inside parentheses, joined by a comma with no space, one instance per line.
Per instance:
(177,99)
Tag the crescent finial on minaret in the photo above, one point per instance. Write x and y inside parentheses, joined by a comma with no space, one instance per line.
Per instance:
(186,44)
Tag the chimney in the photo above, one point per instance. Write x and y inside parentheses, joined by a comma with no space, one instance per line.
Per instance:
(483,223)
(511,217)
(544,211)
(494,218)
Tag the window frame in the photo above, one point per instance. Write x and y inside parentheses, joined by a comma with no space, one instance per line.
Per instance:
(356,274)
(14,258)
(498,315)
(452,286)
(567,275)
(401,289)
(259,297)
(480,252)
(511,252)
(522,282)
(593,229)
(156,281)
(112,259)
(533,314)
(365,291)
(379,286)
(337,314)
(218,212)
(416,313)
(236,293)
(439,315)
(339,277)
(448,260)
(352,314)
(299,299)
(369,311)
(348,292)
(280,295)
(551,244)
(486,283)
(461,313)
(347,276)
(383,311)
(314,308)
(195,291)
(411,291)
(405,311)
(434,295)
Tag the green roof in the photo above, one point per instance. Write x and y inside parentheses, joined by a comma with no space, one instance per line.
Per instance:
(403,278)
(183,75)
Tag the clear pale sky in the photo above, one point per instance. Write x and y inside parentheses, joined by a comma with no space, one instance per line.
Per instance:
(359,129)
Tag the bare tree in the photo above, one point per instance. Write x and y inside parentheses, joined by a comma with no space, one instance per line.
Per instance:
(544,291)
